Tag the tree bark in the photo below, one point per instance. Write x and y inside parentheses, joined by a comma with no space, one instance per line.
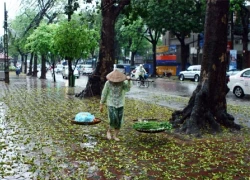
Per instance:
(132,60)
(34,74)
(207,107)
(25,63)
(30,65)
(184,50)
(106,53)
(43,68)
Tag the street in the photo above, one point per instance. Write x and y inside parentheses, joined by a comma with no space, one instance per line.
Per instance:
(169,92)
(161,86)
(39,140)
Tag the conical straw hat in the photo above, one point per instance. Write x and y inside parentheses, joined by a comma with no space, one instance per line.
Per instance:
(116,76)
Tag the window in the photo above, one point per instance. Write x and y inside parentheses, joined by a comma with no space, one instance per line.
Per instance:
(246,74)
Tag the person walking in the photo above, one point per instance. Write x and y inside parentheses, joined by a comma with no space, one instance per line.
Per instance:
(113,94)
(17,71)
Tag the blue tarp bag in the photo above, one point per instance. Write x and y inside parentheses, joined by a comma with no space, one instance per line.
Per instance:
(84,117)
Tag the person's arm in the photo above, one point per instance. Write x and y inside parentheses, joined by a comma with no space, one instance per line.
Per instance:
(104,96)
(127,85)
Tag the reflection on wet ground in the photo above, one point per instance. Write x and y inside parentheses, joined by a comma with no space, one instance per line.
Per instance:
(19,149)
(26,141)
(176,94)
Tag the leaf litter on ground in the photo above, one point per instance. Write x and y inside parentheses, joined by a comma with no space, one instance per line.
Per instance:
(38,141)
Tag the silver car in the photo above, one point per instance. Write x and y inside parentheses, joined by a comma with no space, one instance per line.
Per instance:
(65,72)
(192,73)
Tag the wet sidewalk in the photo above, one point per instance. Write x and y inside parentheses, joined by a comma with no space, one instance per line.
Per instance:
(37,140)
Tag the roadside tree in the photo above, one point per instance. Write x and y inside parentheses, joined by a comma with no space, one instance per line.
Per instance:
(130,37)
(74,41)
(110,11)
(181,18)
(30,16)
(207,107)
(41,42)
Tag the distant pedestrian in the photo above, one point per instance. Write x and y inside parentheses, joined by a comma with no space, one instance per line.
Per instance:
(113,94)
(17,71)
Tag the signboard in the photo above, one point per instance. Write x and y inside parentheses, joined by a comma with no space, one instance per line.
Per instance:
(172,49)
(233,59)
(166,57)
(161,49)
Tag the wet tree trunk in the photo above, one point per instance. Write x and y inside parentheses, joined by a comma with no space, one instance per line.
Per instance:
(184,51)
(154,44)
(96,81)
(132,60)
(34,74)
(207,107)
(25,63)
(71,73)
(43,68)
(30,65)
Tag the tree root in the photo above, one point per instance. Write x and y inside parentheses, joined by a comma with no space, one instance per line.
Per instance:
(200,116)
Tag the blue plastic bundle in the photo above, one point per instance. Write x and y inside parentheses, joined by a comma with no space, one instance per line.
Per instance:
(84,117)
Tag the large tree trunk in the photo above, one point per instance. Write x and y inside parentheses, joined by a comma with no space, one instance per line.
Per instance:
(43,68)
(34,74)
(96,81)
(30,65)
(207,107)
(184,50)
(132,59)
(154,43)
(25,63)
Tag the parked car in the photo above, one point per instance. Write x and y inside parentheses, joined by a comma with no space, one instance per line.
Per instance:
(79,68)
(87,69)
(121,68)
(192,73)
(59,68)
(65,72)
(239,83)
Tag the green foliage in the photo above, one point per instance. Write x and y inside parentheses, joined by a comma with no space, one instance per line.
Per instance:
(17,28)
(179,16)
(74,40)
(71,7)
(152,125)
(236,5)
(41,40)
(131,36)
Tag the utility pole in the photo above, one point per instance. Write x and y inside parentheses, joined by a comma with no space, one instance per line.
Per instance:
(6,61)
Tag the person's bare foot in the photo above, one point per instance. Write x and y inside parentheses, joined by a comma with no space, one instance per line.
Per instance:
(116,139)
(108,135)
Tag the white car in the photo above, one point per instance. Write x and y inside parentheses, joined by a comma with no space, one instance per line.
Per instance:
(239,83)
(65,72)
(87,69)
(59,68)
(233,71)
(192,73)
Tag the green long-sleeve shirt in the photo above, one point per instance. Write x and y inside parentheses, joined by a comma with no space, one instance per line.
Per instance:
(114,93)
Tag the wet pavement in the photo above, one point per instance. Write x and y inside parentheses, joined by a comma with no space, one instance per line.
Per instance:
(11,150)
